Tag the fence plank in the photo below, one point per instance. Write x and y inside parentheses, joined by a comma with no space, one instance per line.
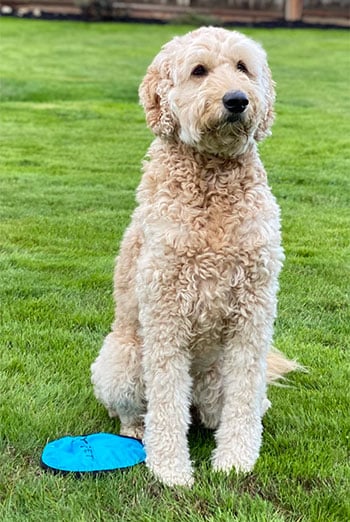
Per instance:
(293,10)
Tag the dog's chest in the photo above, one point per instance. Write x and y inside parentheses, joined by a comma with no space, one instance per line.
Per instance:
(204,239)
(206,220)
(208,238)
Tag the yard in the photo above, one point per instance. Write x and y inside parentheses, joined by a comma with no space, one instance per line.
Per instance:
(71,143)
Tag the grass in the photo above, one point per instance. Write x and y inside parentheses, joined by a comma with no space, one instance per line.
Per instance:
(72,139)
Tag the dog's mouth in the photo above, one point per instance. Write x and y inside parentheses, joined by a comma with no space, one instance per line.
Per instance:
(233,118)
(228,127)
(227,135)
(233,123)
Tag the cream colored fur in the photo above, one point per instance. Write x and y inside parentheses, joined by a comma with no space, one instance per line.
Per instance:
(196,277)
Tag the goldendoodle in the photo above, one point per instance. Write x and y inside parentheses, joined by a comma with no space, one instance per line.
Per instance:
(196,278)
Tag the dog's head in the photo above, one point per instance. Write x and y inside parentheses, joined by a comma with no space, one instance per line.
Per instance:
(211,89)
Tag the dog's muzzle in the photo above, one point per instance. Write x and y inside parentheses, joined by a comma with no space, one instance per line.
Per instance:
(235,102)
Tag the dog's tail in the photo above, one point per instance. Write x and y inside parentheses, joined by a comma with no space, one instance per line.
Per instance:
(278,365)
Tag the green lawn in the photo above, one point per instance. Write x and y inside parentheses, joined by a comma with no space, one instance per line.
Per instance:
(72,139)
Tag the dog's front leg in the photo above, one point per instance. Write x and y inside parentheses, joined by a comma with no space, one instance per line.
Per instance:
(166,364)
(238,437)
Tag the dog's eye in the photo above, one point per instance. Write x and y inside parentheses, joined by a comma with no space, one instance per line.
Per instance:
(241,66)
(199,70)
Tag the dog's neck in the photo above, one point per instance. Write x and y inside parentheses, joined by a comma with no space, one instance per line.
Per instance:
(181,163)
(206,161)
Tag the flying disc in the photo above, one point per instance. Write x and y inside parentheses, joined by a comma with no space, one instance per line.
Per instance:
(92,453)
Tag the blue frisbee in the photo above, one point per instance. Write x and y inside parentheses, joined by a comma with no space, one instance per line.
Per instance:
(98,452)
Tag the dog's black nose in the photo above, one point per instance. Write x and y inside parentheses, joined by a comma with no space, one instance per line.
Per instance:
(235,101)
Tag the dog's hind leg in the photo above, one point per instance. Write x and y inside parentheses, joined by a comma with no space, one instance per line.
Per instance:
(117,371)
(117,380)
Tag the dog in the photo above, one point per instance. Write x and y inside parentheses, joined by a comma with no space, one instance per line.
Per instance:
(197,274)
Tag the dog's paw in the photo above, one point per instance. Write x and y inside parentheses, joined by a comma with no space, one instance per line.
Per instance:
(135,431)
(238,445)
(228,460)
(171,476)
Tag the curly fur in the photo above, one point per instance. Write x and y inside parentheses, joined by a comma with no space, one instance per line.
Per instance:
(196,278)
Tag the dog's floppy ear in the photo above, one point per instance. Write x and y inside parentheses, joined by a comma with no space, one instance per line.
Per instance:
(153,93)
(268,118)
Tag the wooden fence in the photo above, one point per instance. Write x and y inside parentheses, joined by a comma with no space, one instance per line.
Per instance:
(330,12)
